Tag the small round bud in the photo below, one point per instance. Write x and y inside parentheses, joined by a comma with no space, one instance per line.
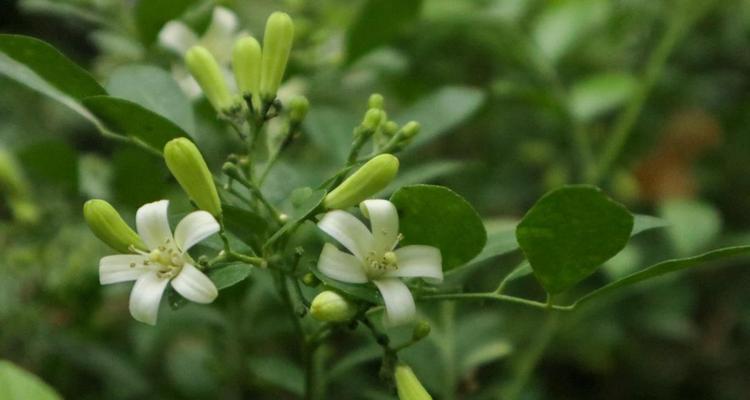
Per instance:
(376,101)
(421,330)
(390,128)
(368,180)
(298,107)
(206,71)
(187,165)
(277,44)
(309,279)
(246,61)
(408,386)
(329,306)
(106,224)
(411,129)
(372,119)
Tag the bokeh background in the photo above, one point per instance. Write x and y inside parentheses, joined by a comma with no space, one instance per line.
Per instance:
(498,85)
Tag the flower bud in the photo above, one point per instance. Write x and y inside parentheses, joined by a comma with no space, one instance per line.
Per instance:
(246,61)
(298,107)
(408,385)
(187,165)
(376,101)
(372,119)
(277,43)
(390,128)
(206,71)
(369,179)
(108,226)
(309,279)
(411,129)
(421,330)
(329,306)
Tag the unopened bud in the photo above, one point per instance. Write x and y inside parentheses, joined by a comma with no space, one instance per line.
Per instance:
(390,128)
(373,118)
(187,165)
(298,107)
(329,306)
(411,129)
(376,101)
(309,279)
(408,385)
(277,44)
(421,330)
(206,71)
(246,62)
(107,224)
(368,180)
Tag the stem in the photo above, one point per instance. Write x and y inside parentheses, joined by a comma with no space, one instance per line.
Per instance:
(679,24)
(496,297)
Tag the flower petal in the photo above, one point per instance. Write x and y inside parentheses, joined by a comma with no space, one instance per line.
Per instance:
(146,296)
(121,268)
(399,303)
(384,222)
(195,227)
(349,231)
(177,37)
(153,223)
(194,285)
(340,266)
(418,261)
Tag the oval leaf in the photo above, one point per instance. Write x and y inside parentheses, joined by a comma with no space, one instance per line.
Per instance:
(570,232)
(437,216)
(230,275)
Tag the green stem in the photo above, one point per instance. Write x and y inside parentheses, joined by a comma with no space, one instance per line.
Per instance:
(496,297)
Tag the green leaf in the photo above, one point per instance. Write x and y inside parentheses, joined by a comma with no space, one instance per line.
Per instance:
(437,216)
(692,224)
(666,267)
(306,208)
(53,162)
(279,372)
(570,232)
(442,111)
(601,93)
(245,225)
(330,129)
(18,384)
(563,23)
(377,23)
(130,119)
(230,275)
(49,64)
(366,292)
(137,177)
(423,173)
(499,242)
(154,89)
(643,223)
(150,16)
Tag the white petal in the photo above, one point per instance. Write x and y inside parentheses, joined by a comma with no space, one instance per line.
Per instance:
(153,224)
(194,285)
(220,34)
(417,261)
(340,266)
(146,296)
(384,222)
(195,227)
(177,37)
(399,303)
(121,268)
(349,231)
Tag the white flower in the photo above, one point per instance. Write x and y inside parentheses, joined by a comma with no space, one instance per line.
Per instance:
(218,39)
(167,260)
(374,257)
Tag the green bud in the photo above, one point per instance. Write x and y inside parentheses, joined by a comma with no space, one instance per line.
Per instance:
(298,107)
(277,43)
(369,179)
(206,71)
(329,306)
(373,118)
(109,227)
(411,129)
(246,61)
(408,385)
(421,330)
(376,101)
(187,165)
(390,128)
(309,279)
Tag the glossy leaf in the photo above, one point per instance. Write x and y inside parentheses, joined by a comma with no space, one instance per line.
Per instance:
(130,119)
(437,216)
(18,384)
(570,232)
(379,22)
(230,275)
(366,291)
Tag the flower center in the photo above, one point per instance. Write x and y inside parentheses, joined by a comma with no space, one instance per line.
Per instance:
(167,259)
(376,266)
